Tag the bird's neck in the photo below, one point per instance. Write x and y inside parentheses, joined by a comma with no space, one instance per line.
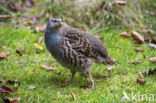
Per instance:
(52,37)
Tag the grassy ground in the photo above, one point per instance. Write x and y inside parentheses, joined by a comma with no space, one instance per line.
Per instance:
(107,89)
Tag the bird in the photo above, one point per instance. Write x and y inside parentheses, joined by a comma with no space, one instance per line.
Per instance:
(74,49)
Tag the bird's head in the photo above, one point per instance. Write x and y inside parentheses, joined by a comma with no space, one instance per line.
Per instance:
(54,24)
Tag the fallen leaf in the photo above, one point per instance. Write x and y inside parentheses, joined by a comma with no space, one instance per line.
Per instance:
(40,28)
(3,47)
(12,6)
(151,71)
(32,86)
(11,100)
(153,40)
(15,83)
(64,84)
(4,16)
(137,62)
(34,19)
(124,34)
(40,39)
(5,89)
(2,55)
(85,87)
(152,45)
(48,68)
(141,81)
(138,49)
(2,81)
(137,37)
(140,74)
(55,81)
(147,31)
(30,3)
(73,95)
(153,59)
(147,39)
(110,67)
(38,46)
(7,53)
(19,52)
(120,2)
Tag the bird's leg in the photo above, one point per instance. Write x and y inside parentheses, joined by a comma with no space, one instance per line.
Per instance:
(91,79)
(73,73)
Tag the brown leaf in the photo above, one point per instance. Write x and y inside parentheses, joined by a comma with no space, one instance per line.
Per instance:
(147,31)
(34,19)
(55,81)
(7,53)
(2,55)
(5,89)
(30,3)
(137,37)
(138,49)
(11,100)
(151,71)
(73,95)
(15,83)
(141,81)
(4,16)
(3,47)
(48,68)
(137,62)
(85,87)
(124,34)
(140,74)
(120,2)
(2,81)
(12,6)
(40,28)
(19,52)
(40,39)
(153,40)
(64,84)
(147,39)
(153,59)
(152,45)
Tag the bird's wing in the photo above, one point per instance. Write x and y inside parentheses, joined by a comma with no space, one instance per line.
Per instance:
(78,42)
(86,43)
(72,57)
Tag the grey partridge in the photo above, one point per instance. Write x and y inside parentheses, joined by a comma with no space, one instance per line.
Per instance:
(74,49)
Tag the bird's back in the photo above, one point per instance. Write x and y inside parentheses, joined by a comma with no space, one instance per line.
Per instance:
(97,48)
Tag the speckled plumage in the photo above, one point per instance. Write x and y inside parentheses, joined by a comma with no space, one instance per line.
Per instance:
(74,49)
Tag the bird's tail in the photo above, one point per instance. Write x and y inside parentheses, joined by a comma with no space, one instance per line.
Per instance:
(110,61)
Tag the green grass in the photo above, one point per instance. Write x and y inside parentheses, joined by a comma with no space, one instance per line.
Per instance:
(106,90)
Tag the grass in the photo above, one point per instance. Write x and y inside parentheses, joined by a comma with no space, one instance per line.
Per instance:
(106,90)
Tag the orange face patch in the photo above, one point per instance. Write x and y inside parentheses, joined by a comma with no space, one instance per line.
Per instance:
(56,25)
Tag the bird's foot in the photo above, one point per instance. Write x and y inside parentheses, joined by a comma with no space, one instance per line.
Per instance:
(91,79)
